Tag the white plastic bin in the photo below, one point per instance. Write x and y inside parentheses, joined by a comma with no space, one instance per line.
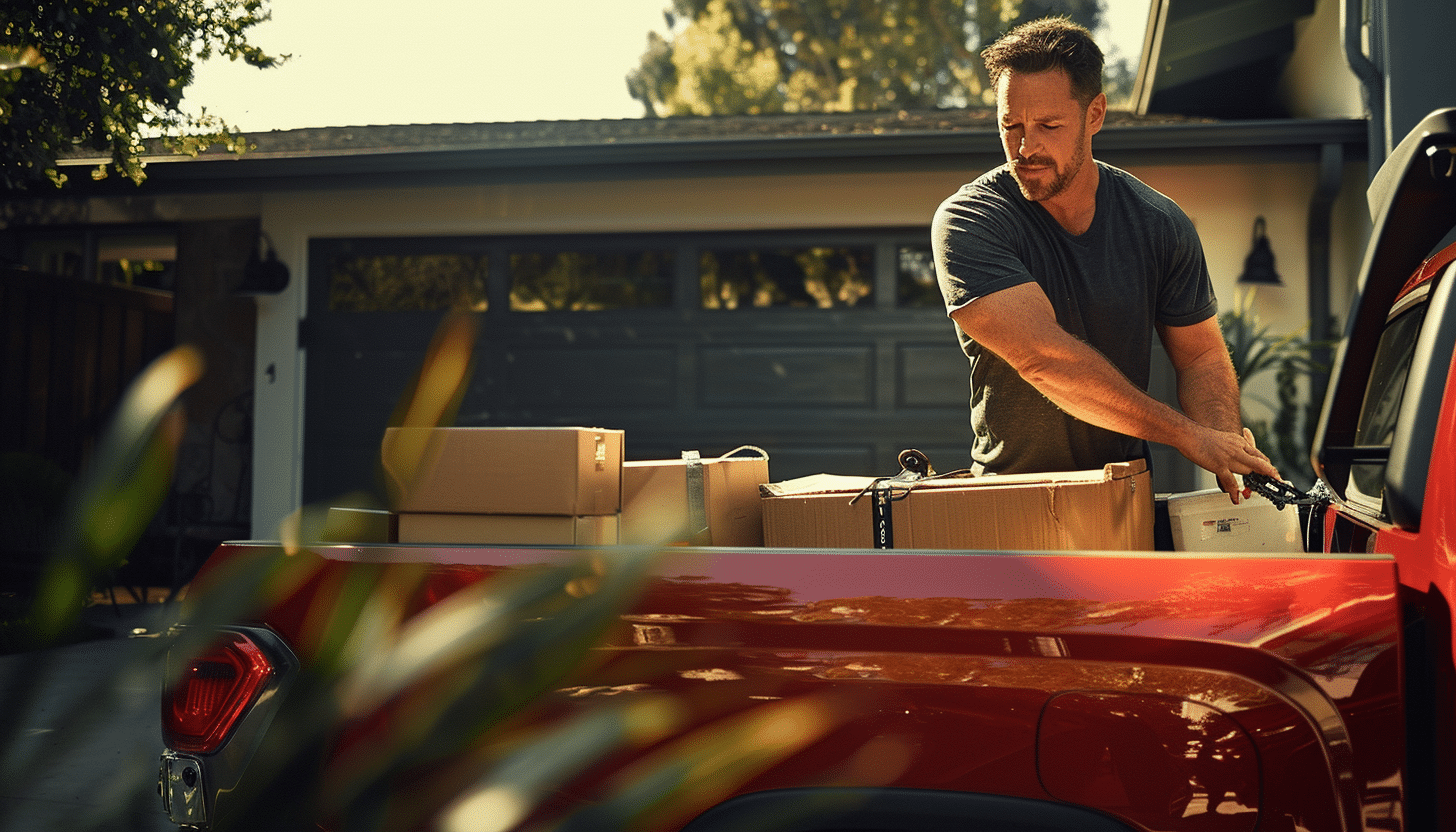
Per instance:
(1206,521)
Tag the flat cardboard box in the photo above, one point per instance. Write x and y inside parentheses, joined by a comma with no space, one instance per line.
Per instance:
(508,529)
(1105,509)
(657,502)
(1207,521)
(570,472)
(346,524)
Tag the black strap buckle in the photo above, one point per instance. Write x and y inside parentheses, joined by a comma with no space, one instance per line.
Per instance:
(1281,493)
(914,466)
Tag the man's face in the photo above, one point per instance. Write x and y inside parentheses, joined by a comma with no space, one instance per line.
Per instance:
(1044,131)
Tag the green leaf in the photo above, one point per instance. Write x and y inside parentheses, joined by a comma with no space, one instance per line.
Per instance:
(75,74)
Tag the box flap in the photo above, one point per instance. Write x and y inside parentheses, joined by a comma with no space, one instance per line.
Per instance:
(840,484)
(816,484)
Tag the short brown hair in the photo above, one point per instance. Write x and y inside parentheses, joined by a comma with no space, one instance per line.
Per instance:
(1049,43)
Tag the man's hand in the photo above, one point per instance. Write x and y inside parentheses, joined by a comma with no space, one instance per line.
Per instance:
(1225,454)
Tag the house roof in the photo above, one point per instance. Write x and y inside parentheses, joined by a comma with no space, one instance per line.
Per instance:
(425,154)
(1206,59)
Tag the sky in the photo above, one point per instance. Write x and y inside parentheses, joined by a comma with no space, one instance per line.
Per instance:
(368,62)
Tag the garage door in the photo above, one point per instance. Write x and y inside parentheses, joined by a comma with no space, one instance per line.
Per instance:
(829,350)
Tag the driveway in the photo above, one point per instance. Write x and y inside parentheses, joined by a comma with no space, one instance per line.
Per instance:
(80,731)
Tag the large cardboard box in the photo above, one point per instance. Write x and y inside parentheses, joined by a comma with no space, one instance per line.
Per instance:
(508,529)
(1207,521)
(1106,509)
(667,502)
(568,471)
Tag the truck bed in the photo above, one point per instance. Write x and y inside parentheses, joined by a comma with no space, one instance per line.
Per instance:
(1199,691)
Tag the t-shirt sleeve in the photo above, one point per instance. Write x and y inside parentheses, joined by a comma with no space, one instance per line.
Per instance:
(1185,295)
(974,247)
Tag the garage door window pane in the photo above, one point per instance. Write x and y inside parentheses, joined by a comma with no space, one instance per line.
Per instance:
(415,283)
(573,281)
(915,282)
(822,277)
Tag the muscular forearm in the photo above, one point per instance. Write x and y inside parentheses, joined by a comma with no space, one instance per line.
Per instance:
(1082,382)
(1208,392)
(1088,387)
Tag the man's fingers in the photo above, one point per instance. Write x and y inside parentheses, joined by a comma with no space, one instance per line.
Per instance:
(1229,484)
(1228,454)
(1257,463)
(1260,464)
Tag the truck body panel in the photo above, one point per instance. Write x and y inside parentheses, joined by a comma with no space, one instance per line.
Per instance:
(1270,683)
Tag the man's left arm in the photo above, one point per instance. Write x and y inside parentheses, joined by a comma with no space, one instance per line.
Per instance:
(1208,390)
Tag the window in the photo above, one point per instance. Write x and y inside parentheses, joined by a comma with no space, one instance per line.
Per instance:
(818,277)
(138,260)
(134,257)
(724,271)
(1388,375)
(408,283)
(915,282)
(574,281)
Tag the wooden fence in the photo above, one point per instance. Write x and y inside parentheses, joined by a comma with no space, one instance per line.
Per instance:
(70,348)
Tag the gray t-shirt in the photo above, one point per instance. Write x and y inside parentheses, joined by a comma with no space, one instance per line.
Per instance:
(1139,263)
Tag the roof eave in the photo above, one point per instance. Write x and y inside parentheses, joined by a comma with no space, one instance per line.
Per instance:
(943,149)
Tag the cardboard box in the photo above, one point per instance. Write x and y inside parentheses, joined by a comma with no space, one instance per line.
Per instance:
(1207,521)
(660,500)
(569,472)
(508,529)
(1106,509)
(346,524)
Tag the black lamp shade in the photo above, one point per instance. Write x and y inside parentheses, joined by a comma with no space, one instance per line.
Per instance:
(263,276)
(1259,265)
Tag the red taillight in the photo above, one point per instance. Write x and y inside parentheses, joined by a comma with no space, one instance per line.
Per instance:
(208,695)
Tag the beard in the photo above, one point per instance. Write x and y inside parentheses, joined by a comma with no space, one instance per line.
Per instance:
(1040,190)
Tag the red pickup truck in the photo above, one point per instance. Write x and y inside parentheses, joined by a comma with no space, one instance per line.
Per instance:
(813,690)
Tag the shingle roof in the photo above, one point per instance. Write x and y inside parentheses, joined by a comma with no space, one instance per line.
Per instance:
(678,130)
(435,154)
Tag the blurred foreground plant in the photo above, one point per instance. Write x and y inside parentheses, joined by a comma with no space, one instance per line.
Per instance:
(429,696)
(115,497)
(105,513)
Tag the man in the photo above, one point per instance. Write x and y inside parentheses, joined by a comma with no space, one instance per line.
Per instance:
(1058,269)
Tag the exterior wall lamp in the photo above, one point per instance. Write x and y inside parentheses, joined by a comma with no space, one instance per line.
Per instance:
(1259,265)
(264,275)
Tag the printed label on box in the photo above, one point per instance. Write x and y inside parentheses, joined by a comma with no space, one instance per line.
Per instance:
(1224,526)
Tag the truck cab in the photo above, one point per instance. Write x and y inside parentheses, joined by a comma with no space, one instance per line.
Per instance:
(1385,447)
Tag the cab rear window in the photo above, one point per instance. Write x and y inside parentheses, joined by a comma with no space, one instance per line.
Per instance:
(1388,378)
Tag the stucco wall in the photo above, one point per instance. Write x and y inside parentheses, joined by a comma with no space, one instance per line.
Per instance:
(1318,81)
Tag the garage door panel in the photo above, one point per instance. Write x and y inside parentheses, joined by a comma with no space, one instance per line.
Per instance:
(932,375)
(809,377)
(589,376)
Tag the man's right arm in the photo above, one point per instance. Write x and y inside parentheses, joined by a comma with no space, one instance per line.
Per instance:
(1019,325)
(1208,390)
